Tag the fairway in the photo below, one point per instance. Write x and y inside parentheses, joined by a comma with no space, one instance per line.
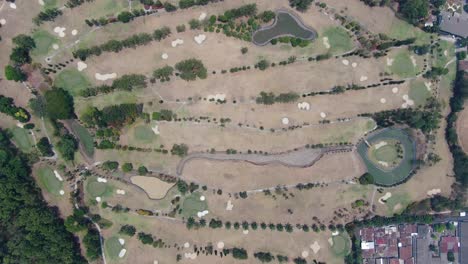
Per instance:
(143,133)
(419,92)
(44,41)
(403,66)
(85,137)
(339,39)
(393,174)
(341,245)
(48,180)
(22,139)
(192,205)
(71,80)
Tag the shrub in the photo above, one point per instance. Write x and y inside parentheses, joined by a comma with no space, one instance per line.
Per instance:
(127,167)
(125,17)
(142,170)
(239,253)
(180,28)
(244,50)
(180,150)
(145,238)
(110,165)
(128,230)
(191,69)
(47,15)
(8,107)
(300,5)
(262,65)
(45,147)
(366,179)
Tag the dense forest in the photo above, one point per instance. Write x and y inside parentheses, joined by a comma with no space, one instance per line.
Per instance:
(30,231)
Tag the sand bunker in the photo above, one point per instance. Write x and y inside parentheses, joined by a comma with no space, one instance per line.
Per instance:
(303,106)
(154,187)
(81,66)
(345,62)
(285,120)
(335,233)
(2,21)
(99,179)
(60,31)
(122,241)
(200,38)
(186,245)
(41,2)
(202,16)
(202,214)
(305,254)
(323,115)
(216,97)
(395,90)
(383,163)
(62,192)
(330,241)
(177,42)
(354,64)
(408,101)
(381,144)
(121,192)
(383,100)
(245,232)
(202,198)
(105,77)
(98,199)
(74,32)
(155,129)
(20,125)
(55,46)
(326,43)
(13,5)
(229,206)
(428,85)
(390,61)
(413,60)
(385,197)
(220,245)
(190,255)
(315,247)
(363,78)
(57,175)
(433,192)
(164,56)
(445,53)
(122,253)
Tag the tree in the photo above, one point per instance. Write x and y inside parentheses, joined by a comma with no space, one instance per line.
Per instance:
(438,3)
(125,17)
(142,170)
(128,230)
(450,256)
(267,16)
(414,10)
(300,5)
(67,147)
(110,165)
(180,150)
(127,167)
(244,50)
(366,179)
(191,69)
(20,56)
(59,104)
(194,24)
(145,238)
(262,65)
(14,74)
(264,257)
(45,147)
(239,253)
(24,41)
(182,186)
(92,244)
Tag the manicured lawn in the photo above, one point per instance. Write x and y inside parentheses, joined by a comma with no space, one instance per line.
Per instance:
(50,4)
(338,38)
(112,247)
(403,30)
(98,189)
(72,80)
(440,58)
(386,153)
(22,139)
(144,133)
(419,92)
(403,66)
(48,180)
(402,198)
(85,138)
(44,41)
(341,244)
(192,205)
(109,7)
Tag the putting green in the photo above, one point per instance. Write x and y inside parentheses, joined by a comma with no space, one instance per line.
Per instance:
(403,30)
(50,3)
(144,133)
(192,205)
(113,247)
(22,139)
(85,137)
(44,41)
(338,39)
(72,80)
(418,92)
(98,189)
(386,153)
(403,65)
(393,174)
(340,245)
(443,54)
(48,180)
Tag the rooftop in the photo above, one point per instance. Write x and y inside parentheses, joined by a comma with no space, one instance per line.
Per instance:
(454,23)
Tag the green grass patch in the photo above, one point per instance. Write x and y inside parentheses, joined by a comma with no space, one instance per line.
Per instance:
(108,7)
(403,65)
(48,180)
(419,92)
(144,133)
(192,205)
(98,189)
(341,245)
(402,200)
(403,30)
(44,41)
(387,153)
(113,247)
(72,80)
(50,4)
(22,139)
(338,39)
(85,138)
(443,54)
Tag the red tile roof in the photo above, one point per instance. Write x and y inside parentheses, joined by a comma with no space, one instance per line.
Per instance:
(449,244)
(406,252)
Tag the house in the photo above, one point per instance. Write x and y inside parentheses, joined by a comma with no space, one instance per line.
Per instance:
(405,253)
(454,23)
(449,244)
(463,66)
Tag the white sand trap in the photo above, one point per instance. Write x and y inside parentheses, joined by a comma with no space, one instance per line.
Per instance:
(57,175)
(323,115)
(405,97)
(335,233)
(303,106)
(445,53)
(202,16)
(363,78)
(62,192)
(383,100)
(433,192)
(13,5)
(428,85)
(20,125)
(330,241)
(383,163)
(60,31)
(121,192)
(326,43)
(345,62)
(200,38)
(285,120)
(122,241)
(2,21)
(186,245)
(229,206)
(404,105)
(105,77)
(395,90)
(220,245)
(202,214)
(216,97)
(190,255)
(41,2)
(390,61)
(122,253)
(202,198)
(74,32)
(98,199)
(413,60)
(410,102)
(177,42)
(164,56)
(155,129)
(81,66)
(155,262)
(381,144)
(385,197)
(100,179)
(305,254)
(354,64)
(245,232)
(315,247)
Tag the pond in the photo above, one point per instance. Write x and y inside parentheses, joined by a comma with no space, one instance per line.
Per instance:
(286,24)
